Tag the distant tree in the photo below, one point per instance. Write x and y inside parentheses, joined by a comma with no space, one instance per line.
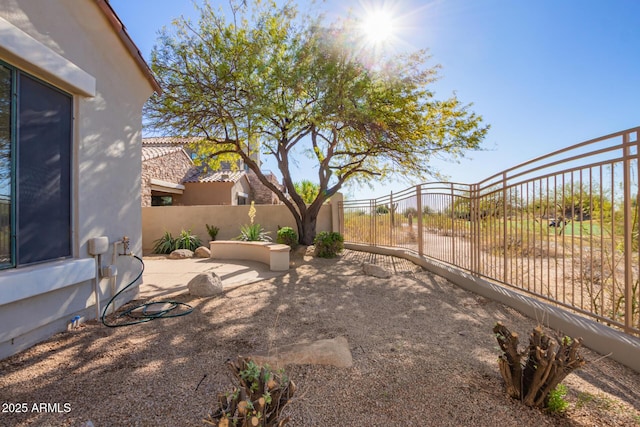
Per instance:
(279,84)
(382,209)
(307,190)
(410,211)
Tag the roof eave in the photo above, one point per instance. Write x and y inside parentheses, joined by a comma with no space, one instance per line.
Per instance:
(128,43)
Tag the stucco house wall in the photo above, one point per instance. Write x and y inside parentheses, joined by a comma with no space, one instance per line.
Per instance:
(76,46)
(213,193)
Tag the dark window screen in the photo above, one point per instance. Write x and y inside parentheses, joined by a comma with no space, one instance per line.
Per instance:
(44,165)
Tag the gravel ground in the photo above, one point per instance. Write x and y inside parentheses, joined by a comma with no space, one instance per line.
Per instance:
(423,352)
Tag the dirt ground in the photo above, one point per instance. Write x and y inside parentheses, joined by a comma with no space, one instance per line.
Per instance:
(423,355)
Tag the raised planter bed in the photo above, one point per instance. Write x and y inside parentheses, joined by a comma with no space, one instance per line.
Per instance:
(275,255)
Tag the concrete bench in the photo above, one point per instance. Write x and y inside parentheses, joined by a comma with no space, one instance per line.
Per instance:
(275,255)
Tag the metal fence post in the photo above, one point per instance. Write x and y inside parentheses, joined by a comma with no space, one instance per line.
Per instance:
(505,258)
(453,225)
(628,235)
(475,232)
(420,223)
(372,223)
(392,216)
(341,217)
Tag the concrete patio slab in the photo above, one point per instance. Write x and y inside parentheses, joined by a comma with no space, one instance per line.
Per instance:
(165,277)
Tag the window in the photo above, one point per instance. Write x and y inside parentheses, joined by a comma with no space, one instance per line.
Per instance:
(35,170)
(161,200)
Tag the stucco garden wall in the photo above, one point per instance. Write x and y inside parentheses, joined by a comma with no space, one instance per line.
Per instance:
(158,219)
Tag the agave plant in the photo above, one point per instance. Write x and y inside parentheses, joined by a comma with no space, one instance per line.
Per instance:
(253,233)
(164,245)
(186,240)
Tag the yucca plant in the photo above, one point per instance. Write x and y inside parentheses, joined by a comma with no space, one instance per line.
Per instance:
(253,233)
(186,240)
(213,231)
(164,245)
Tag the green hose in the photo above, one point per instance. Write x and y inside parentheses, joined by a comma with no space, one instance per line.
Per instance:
(140,313)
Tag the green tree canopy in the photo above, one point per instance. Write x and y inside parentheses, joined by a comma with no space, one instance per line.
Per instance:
(307,190)
(279,84)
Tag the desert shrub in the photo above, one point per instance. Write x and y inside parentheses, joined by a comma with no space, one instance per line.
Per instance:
(186,240)
(533,374)
(164,245)
(287,236)
(253,233)
(260,400)
(328,244)
(212,230)
(382,209)
(556,400)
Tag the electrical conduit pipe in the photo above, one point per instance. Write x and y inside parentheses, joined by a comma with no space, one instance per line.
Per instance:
(112,280)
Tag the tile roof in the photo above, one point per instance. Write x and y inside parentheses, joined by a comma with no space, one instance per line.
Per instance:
(166,141)
(216,176)
(149,153)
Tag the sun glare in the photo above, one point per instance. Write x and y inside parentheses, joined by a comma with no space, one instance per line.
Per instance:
(377,26)
(379,23)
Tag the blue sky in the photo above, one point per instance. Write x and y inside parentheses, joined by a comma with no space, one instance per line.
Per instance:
(544,74)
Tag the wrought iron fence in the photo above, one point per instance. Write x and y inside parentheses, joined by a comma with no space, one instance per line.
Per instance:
(562,227)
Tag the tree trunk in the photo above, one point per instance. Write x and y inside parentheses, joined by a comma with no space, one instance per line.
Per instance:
(548,361)
(307,228)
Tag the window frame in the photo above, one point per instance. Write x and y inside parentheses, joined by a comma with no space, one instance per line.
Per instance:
(14,170)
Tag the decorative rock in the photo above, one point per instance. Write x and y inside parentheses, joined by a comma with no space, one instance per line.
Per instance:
(202,252)
(205,285)
(181,254)
(309,253)
(333,352)
(376,271)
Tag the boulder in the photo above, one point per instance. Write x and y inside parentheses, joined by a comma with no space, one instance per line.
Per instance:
(202,252)
(181,254)
(334,352)
(376,271)
(205,285)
